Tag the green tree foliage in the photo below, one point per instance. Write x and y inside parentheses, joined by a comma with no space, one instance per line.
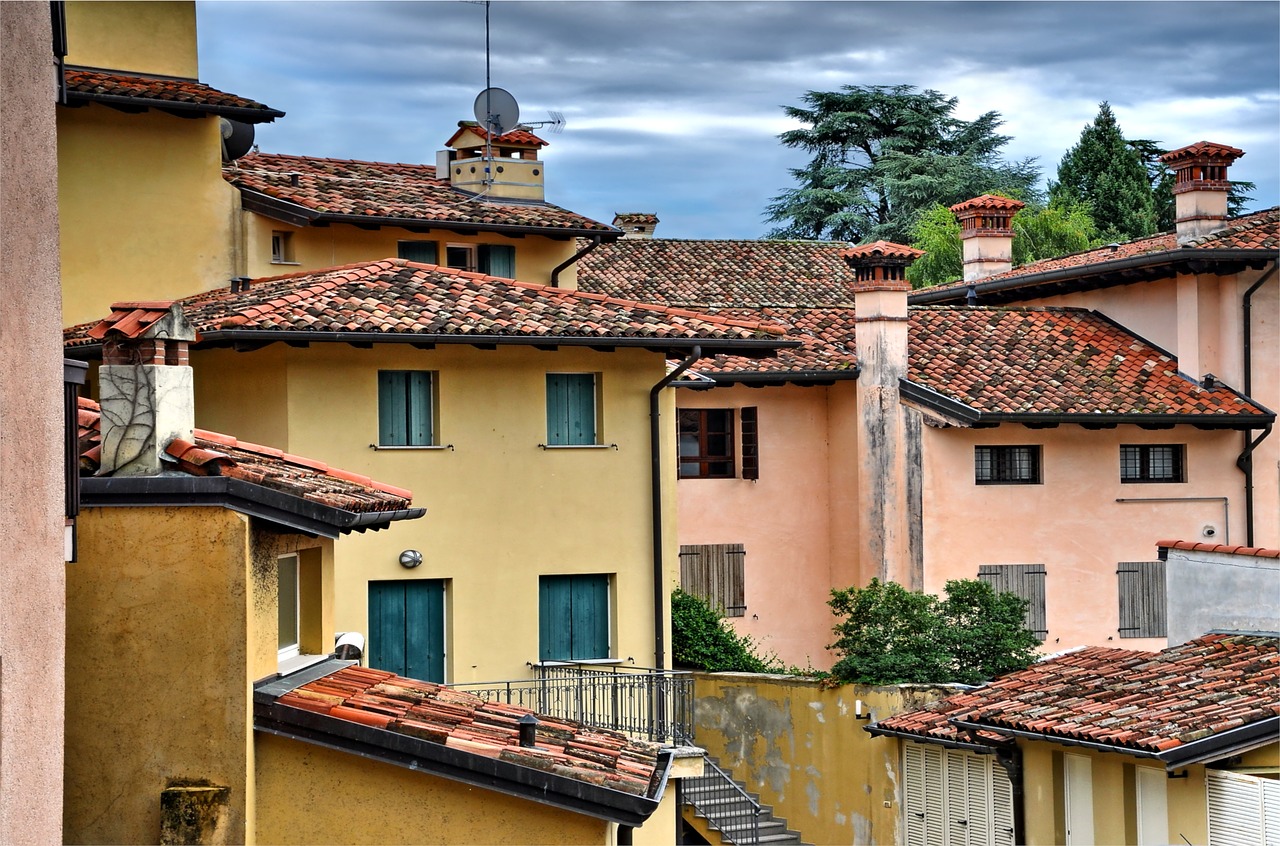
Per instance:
(882,154)
(937,232)
(889,635)
(1108,175)
(702,640)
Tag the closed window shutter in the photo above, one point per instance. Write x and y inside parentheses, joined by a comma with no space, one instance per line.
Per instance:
(423,252)
(554,619)
(1001,806)
(573,617)
(497,260)
(957,795)
(715,573)
(418,384)
(1143,611)
(571,409)
(1243,810)
(1025,581)
(914,803)
(750,443)
(393,418)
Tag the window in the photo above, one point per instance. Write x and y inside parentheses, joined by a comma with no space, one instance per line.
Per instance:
(1026,581)
(953,797)
(460,256)
(423,252)
(706,443)
(287,607)
(405,408)
(1142,599)
(573,617)
(715,573)
(497,260)
(282,247)
(1152,463)
(571,409)
(406,628)
(1006,465)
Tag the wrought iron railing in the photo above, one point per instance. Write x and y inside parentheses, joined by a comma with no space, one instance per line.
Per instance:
(730,809)
(639,701)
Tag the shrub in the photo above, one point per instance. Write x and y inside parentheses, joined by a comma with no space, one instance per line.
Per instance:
(702,640)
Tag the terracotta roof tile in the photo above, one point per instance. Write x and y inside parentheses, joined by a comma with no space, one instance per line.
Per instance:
(95,84)
(988,201)
(1123,698)
(214,454)
(1202,149)
(388,191)
(1252,551)
(464,721)
(515,136)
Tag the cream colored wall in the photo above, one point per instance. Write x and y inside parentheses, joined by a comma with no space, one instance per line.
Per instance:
(146,37)
(1072,522)
(800,746)
(500,510)
(316,247)
(32,592)
(309,794)
(145,212)
(783,518)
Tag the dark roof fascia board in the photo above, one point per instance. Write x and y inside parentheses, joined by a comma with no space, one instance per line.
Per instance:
(437,759)
(765,377)
(244,497)
(980,748)
(1169,260)
(235,112)
(938,402)
(275,208)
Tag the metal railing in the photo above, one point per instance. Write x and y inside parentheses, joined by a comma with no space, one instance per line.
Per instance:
(642,702)
(726,806)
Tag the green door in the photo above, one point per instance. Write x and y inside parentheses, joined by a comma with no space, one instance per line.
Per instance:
(406,628)
(573,617)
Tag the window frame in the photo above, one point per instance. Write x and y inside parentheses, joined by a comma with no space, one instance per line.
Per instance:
(429,395)
(282,247)
(1002,464)
(554,438)
(473,256)
(702,459)
(1144,456)
(287,651)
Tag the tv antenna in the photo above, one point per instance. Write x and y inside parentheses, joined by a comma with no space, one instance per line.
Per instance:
(495,109)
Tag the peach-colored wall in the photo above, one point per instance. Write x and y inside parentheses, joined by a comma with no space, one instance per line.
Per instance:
(784,518)
(1072,523)
(32,603)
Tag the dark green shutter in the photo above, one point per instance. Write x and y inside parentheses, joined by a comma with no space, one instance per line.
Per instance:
(497,260)
(571,409)
(406,628)
(573,617)
(418,385)
(554,619)
(1143,612)
(1025,581)
(423,252)
(393,417)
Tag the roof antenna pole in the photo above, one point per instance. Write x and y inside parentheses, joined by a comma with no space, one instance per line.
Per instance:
(488,110)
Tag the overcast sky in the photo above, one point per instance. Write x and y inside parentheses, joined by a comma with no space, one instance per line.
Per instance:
(674,107)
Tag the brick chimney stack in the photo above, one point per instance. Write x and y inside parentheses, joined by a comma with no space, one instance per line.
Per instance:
(986,231)
(500,167)
(636,225)
(1200,187)
(145,385)
(889,469)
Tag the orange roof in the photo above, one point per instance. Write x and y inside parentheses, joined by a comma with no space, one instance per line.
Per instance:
(84,85)
(516,137)
(882,249)
(1225,549)
(988,201)
(1202,150)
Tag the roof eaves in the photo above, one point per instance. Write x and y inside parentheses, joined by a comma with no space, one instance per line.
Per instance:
(745,377)
(980,748)
(236,112)
(463,226)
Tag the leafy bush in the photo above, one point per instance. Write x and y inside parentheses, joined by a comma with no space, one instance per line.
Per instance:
(890,635)
(702,640)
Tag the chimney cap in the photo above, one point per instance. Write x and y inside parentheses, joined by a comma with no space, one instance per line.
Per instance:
(635,218)
(1202,151)
(880,250)
(138,320)
(988,202)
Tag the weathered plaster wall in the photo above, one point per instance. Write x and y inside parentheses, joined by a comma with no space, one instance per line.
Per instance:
(147,37)
(801,747)
(308,794)
(1212,590)
(32,601)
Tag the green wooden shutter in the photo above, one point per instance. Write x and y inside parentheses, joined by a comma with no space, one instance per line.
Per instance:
(418,388)
(423,252)
(571,409)
(386,626)
(393,417)
(406,628)
(750,443)
(497,260)
(554,619)
(1025,581)
(1143,612)
(590,617)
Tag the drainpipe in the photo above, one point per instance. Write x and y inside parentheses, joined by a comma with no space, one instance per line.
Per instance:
(655,457)
(1245,461)
(555,274)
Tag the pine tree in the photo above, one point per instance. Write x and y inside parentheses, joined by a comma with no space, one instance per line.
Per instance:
(1103,171)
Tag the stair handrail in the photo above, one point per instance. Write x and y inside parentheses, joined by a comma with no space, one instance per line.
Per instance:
(720,783)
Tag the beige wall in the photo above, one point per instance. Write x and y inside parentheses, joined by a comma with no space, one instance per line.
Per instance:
(172,616)
(500,510)
(147,37)
(31,489)
(800,746)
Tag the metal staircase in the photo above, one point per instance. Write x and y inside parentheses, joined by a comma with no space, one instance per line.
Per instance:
(719,806)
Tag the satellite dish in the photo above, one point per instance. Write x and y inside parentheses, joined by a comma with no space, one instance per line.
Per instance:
(237,139)
(497,111)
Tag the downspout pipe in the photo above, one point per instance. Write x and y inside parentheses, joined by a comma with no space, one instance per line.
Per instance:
(655,458)
(555,274)
(1245,461)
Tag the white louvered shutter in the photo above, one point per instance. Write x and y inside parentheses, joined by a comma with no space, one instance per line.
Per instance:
(1001,806)
(935,796)
(1238,810)
(913,793)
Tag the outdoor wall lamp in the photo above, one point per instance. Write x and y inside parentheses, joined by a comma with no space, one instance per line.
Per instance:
(858,711)
(410,558)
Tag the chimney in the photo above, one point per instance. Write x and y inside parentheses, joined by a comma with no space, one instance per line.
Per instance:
(1200,187)
(636,225)
(503,167)
(986,230)
(889,542)
(145,385)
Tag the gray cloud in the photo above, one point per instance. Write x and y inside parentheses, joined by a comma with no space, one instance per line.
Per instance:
(673,107)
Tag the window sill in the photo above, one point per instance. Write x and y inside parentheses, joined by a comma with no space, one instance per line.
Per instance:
(577,446)
(290,263)
(570,663)
(285,666)
(379,447)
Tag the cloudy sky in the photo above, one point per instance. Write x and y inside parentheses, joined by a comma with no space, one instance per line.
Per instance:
(674,107)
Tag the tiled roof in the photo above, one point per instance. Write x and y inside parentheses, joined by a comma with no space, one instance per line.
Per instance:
(988,201)
(97,85)
(214,454)
(1202,149)
(515,136)
(341,189)
(465,722)
(1150,702)
(881,249)
(636,218)
(130,319)
(1225,549)
(725,274)
(394,296)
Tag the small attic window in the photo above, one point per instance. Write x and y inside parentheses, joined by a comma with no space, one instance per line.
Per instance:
(282,248)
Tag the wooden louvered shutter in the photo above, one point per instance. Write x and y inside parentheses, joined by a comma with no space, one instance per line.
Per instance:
(1001,806)
(750,442)
(393,417)
(571,409)
(957,798)
(1243,810)
(715,573)
(922,790)
(1025,581)
(1142,599)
